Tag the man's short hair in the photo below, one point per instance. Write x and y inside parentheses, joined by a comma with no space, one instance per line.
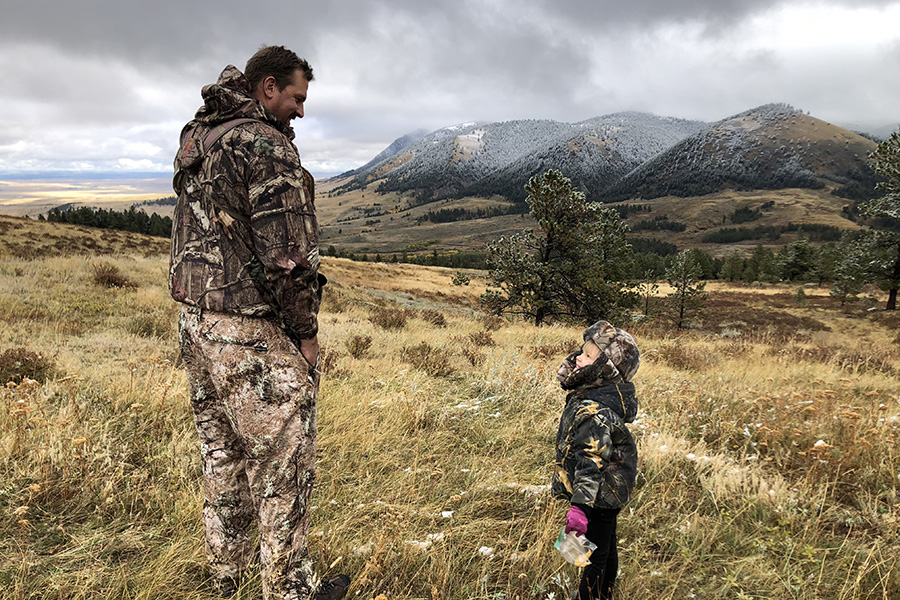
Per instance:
(277,61)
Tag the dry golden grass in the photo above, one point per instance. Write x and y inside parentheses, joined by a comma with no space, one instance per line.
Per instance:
(29,238)
(769,462)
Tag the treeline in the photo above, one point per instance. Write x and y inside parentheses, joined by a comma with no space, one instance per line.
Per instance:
(799,261)
(813,231)
(745,214)
(456,260)
(132,220)
(167,201)
(659,224)
(626,209)
(450,215)
(650,256)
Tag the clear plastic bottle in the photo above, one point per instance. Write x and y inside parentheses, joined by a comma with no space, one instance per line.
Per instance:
(575,549)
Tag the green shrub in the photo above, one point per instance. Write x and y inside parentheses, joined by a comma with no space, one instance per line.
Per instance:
(460,278)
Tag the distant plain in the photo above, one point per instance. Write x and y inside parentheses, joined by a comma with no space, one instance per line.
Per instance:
(20,197)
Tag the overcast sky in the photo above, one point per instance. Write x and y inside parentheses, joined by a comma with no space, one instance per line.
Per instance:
(106,85)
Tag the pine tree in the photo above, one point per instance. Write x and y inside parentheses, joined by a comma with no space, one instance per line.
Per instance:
(760,266)
(880,245)
(647,288)
(796,260)
(688,297)
(572,269)
(733,268)
(707,264)
(826,261)
(849,272)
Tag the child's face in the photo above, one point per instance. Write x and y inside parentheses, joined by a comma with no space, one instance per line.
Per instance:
(589,353)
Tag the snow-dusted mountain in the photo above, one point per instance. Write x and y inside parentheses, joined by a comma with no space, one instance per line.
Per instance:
(392,150)
(448,160)
(623,156)
(497,158)
(774,146)
(593,153)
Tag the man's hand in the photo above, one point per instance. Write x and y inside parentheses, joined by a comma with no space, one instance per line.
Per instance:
(310,350)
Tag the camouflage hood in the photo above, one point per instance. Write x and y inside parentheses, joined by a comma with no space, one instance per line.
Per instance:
(618,361)
(230,98)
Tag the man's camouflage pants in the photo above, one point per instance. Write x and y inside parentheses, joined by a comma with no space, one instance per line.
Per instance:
(254,400)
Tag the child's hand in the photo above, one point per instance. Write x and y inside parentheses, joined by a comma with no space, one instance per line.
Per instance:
(576,521)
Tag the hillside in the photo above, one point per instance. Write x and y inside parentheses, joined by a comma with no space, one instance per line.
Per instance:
(28,238)
(366,222)
(768,148)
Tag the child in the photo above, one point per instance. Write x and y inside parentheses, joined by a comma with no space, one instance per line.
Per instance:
(596,457)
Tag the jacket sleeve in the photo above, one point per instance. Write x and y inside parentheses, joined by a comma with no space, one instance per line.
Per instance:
(283,228)
(591,447)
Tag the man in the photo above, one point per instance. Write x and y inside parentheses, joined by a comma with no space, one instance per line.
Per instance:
(244,265)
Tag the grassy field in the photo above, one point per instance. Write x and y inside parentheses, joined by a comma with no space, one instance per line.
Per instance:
(767,436)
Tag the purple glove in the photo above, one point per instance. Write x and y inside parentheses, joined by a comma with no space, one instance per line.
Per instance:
(576,521)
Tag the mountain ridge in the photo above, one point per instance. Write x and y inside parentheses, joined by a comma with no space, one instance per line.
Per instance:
(612,157)
(460,185)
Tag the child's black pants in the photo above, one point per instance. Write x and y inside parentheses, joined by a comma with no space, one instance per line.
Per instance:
(598,577)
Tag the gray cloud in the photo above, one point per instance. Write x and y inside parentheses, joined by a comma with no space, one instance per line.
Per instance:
(109,83)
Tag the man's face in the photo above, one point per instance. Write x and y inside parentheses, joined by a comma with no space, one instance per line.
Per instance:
(285,104)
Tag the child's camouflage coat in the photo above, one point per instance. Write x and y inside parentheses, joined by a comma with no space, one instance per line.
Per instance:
(596,457)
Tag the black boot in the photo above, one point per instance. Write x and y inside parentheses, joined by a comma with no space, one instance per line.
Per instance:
(333,589)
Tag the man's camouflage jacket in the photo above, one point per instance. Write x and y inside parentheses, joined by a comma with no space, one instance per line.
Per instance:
(245,236)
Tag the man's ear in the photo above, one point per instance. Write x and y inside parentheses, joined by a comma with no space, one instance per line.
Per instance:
(269,85)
